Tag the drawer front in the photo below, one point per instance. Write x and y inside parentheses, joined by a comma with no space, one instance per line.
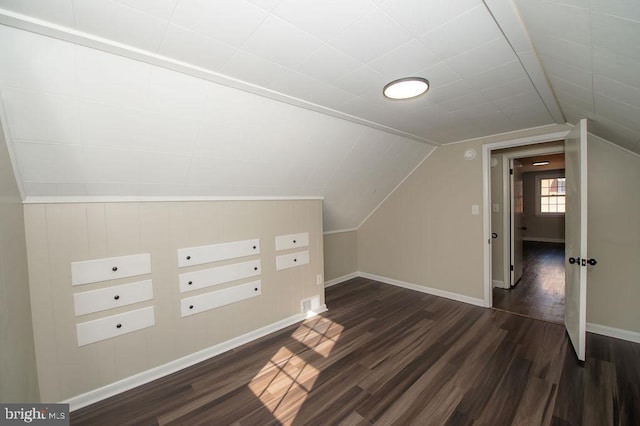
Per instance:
(216,252)
(286,261)
(220,275)
(115,325)
(285,242)
(112,297)
(215,299)
(91,271)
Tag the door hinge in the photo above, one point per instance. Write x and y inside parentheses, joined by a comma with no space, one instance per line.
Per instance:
(512,267)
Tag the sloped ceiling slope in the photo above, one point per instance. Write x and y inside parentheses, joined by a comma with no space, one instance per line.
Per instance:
(590,50)
(87,123)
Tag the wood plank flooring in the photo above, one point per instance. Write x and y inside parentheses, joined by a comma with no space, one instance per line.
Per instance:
(540,292)
(387,355)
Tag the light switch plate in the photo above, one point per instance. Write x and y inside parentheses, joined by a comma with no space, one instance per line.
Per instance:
(319,279)
(496,208)
(475,209)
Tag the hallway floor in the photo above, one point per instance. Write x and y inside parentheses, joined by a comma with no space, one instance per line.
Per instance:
(540,292)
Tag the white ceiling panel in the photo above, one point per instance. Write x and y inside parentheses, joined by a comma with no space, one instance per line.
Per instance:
(281,42)
(114,21)
(52,163)
(56,11)
(328,64)
(463,33)
(420,16)
(483,58)
(162,9)
(37,116)
(617,34)
(407,60)
(326,18)
(356,40)
(195,48)
(228,21)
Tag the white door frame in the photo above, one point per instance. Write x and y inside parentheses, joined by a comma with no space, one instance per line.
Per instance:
(486,197)
(507,196)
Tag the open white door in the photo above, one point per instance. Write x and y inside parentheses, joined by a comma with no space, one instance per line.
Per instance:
(517,220)
(575,316)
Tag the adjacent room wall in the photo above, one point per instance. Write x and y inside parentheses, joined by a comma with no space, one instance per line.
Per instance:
(540,228)
(424,233)
(18,379)
(613,289)
(58,234)
(340,255)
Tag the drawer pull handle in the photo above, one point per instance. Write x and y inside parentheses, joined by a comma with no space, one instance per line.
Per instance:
(294,241)
(116,297)
(118,325)
(114,269)
(190,306)
(255,268)
(188,257)
(190,282)
(295,260)
(255,289)
(254,247)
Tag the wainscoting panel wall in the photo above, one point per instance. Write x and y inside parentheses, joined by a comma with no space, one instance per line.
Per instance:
(60,234)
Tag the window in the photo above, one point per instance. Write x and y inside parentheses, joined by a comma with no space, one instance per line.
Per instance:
(550,192)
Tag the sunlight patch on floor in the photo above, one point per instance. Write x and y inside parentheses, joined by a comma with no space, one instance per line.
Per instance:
(284,382)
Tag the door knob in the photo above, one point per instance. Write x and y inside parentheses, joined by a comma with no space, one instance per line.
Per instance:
(573,260)
(524,228)
(592,261)
(494,235)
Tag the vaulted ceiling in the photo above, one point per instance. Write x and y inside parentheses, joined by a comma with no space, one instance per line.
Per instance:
(188,98)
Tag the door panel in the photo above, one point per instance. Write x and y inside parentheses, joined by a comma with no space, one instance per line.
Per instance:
(576,237)
(517,220)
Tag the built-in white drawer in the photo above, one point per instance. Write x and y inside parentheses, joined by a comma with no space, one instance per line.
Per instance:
(91,271)
(285,261)
(115,325)
(216,252)
(220,275)
(112,297)
(285,242)
(215,299)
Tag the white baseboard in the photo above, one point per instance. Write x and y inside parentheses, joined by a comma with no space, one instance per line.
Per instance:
(618,333)
(160,371)
(340,279)
(497,283)
(423,289)
(544,240)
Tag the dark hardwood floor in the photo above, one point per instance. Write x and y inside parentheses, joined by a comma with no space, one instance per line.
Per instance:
(540,292)
(388,355)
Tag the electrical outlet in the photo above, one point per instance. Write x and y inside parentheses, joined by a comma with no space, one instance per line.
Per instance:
(319,280)
(475,209)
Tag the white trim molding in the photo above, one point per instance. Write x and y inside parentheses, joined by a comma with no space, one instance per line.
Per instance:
(341,279)
(498,284)
(617,333)
(152,199)
(424,289)
(544,240)
(339,231)
(155,373)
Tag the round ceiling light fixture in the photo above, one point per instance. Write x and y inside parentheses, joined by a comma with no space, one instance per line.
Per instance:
(406,88)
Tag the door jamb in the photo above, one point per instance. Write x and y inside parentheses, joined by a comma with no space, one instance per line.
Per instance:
(486,196)
(507,192)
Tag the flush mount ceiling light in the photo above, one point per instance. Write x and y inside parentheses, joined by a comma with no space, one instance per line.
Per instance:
(406,88)
(540,163)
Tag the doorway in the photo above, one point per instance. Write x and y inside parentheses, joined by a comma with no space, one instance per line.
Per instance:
(528,273)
